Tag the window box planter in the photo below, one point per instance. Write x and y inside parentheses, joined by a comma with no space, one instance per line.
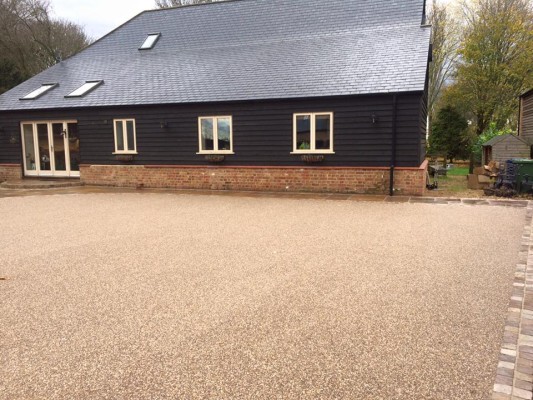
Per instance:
(215,158)
(312,158)
(125,157)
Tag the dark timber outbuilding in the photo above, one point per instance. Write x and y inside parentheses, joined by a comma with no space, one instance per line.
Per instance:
(525,129)
(247,94)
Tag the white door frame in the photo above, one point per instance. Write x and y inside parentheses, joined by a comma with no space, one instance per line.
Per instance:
(52,172)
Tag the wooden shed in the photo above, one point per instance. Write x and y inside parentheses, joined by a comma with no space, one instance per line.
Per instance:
(505,147)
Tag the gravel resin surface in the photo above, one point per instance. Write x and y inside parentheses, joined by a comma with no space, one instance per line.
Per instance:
(167,296)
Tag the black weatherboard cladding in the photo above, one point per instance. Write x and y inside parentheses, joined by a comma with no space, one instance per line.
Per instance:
(262,131)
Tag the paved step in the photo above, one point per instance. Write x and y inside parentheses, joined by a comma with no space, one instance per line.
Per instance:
(40,184)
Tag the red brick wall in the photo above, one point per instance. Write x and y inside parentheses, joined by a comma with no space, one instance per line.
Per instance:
(411,181)
(10,172)
(408,181)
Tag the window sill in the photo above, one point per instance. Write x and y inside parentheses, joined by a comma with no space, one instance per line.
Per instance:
(214,153)
(118,153)
(301,153)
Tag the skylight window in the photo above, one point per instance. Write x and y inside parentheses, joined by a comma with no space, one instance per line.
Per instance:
(150,41)
(39,92)
(85,88)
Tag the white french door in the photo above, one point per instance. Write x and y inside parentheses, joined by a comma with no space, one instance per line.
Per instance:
(51,148)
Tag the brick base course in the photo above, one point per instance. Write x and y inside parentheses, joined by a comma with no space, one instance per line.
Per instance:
(10,172)
(371,180)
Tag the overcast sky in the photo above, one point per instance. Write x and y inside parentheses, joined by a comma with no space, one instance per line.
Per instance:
(99,17)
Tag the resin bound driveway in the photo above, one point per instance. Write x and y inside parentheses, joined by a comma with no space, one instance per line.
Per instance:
(180,296)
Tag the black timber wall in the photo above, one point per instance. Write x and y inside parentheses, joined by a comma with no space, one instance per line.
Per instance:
(262,131)
(526,117)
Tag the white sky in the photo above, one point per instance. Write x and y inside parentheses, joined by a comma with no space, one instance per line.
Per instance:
(99,17)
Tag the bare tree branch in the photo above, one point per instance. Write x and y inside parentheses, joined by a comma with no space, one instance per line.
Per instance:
(445,41)
(180,3)
(31,41)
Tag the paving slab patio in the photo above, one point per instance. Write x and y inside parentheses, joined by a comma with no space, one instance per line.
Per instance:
(128,294)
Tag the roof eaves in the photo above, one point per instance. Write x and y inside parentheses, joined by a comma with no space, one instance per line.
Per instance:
(527,93)
(494,140)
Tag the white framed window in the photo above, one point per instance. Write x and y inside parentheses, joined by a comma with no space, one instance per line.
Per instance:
(150,41)
(35,94)
(215,135)
(125,136)
(87,87)
(313,133)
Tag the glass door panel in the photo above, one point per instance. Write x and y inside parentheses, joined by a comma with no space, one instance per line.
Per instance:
(74,146)
(29,147)
(44,147)
(51,148)
(58,147)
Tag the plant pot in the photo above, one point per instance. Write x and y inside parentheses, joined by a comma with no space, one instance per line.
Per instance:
(124,157)
(215,158)
(312,158)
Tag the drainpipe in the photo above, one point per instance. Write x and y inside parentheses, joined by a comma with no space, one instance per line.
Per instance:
(393,147)
(424,14)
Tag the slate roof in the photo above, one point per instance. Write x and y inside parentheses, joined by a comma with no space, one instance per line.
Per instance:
(246,50)
(526,93)
(498,139)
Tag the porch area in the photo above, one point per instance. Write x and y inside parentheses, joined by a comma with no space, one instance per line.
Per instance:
(40,183)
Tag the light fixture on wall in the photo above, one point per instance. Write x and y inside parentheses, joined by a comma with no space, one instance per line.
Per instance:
(163,124)
(374,119)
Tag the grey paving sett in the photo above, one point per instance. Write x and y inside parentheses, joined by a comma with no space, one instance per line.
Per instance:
(166,295)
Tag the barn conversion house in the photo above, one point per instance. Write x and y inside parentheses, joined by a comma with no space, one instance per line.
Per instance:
(303,95)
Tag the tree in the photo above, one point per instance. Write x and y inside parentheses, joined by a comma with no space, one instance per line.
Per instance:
(180,3)
(31,40)
(495,65)
(450,135)
(445,41)
(9,76)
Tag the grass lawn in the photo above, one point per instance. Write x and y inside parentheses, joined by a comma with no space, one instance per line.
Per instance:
(455,184)
(458,171)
